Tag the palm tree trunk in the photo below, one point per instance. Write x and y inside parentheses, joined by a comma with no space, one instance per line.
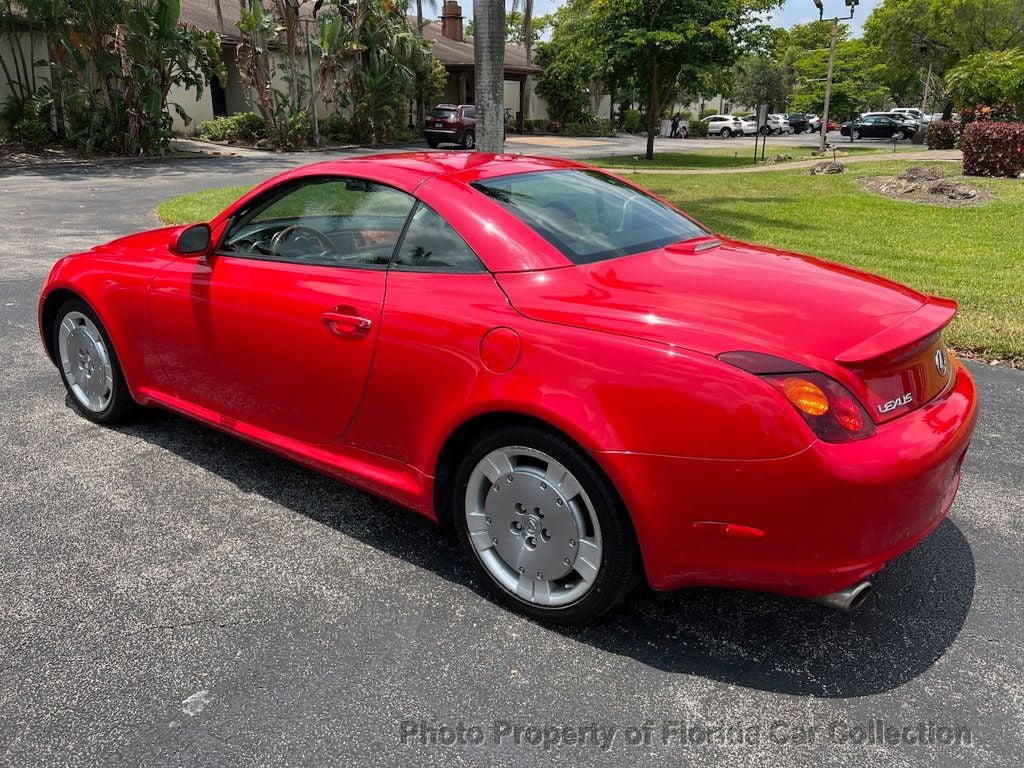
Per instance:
(653,113)
(528,44)
(489,61)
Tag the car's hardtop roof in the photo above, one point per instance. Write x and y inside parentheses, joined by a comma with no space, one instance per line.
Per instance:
(407,170)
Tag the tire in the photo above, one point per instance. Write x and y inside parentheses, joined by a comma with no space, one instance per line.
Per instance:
(725,133)
(432,143)
(468,140)
(776,131)
(899,136)
(854,134)
(81,343)
(576,527)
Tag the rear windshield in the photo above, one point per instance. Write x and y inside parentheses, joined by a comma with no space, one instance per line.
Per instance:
(444,114)
(587,215)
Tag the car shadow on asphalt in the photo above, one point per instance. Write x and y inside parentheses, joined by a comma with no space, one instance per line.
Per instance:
(751,639)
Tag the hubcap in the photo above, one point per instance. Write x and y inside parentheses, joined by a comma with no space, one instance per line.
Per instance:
(85,361)
(533,526)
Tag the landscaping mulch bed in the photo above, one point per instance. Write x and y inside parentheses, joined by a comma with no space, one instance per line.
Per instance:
(929,185)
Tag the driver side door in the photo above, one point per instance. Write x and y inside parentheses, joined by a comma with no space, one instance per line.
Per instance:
(277,328)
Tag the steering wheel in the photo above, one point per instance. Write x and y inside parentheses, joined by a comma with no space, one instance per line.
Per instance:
(300,235)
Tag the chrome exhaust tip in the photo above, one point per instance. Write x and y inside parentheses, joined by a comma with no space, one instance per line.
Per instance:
(849,599)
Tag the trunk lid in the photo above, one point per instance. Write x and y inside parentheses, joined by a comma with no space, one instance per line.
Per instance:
(879,338)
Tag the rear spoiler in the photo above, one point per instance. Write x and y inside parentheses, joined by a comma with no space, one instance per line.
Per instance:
(934,315)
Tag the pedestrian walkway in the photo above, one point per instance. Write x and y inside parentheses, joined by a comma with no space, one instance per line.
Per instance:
(932,155)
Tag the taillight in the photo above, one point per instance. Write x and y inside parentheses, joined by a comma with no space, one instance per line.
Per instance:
(828,408)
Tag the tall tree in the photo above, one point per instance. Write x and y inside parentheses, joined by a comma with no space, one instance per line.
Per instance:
(489,61)
(913,35)
(666,45)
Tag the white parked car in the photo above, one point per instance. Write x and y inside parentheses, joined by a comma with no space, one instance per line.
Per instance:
(914,114)
(814,123)
(778,124)
(749,125)
(724,125)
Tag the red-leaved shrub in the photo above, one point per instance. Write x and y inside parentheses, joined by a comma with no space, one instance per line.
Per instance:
(993,149)
(941,134)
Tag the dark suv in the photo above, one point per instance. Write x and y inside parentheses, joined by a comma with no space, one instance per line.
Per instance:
(451,124)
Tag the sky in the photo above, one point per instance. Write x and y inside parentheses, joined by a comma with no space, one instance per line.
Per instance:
(792,11)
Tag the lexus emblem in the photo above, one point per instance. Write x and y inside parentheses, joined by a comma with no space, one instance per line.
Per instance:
(940,361)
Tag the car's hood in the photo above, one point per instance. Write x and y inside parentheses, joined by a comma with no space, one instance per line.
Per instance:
(151,238)
(733,297)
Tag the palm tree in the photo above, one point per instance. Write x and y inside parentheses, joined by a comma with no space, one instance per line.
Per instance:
(489,61)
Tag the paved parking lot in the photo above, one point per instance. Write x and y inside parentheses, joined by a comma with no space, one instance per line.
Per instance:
(174,597)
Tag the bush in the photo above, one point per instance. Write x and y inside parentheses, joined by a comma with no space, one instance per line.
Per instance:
(632,121)
(593,126)
(535,124)
(707,113)
(697,129)
(553,126)
(993,149)
(941,134)
(249,127)
(335,127)
(32,130)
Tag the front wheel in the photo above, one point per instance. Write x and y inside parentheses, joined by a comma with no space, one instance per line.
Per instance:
(543,525)
(899,136)
(89,366)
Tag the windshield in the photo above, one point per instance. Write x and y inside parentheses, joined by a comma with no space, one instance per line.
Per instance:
(444,114)
(587,215)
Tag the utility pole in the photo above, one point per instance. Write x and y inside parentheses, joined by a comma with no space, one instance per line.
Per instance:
(852,5)
(828,85)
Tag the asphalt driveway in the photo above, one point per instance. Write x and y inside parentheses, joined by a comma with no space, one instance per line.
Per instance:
(174,597)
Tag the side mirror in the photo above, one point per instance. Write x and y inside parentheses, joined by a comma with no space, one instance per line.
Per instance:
(191,241)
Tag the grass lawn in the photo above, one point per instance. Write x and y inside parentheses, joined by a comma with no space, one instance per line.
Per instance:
(198,206)
(724,158)
(972,254)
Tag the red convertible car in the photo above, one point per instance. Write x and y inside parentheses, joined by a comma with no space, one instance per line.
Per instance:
(586,385)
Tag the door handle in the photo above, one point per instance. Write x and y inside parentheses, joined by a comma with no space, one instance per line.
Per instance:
(345,324)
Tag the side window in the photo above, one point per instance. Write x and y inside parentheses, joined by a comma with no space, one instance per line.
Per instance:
(325,221)
(430,244)
(470,112)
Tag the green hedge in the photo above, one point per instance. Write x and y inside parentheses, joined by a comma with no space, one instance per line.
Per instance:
(697,129)
(249,127)
(596,126)
(993,149)
(632,121)
(336,127)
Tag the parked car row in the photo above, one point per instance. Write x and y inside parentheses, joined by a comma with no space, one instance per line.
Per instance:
(742,125)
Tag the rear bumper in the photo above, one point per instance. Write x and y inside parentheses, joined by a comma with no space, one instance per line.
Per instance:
(831,514)
(443,135)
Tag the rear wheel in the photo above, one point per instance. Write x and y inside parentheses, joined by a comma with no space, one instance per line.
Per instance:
(726,133)
(468,140)
(89,366)
(543,526)
(855,134)
(899,136)
(432,143)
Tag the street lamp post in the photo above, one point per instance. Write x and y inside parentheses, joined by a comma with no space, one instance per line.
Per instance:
(852,5)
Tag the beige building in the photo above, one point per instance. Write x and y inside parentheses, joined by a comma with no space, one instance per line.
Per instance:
(451,46)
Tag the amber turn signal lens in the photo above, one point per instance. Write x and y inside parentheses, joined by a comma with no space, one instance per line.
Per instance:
(806,396)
